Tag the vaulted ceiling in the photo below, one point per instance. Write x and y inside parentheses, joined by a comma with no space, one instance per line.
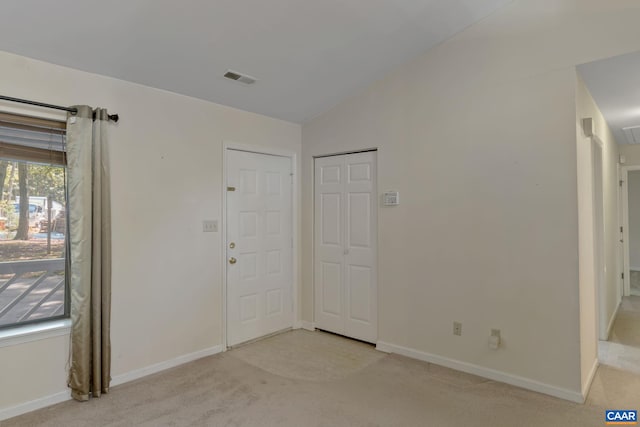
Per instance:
(307,55)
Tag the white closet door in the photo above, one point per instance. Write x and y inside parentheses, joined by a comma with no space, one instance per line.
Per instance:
(345,245)
(259,245)
(329,243)
(361,279)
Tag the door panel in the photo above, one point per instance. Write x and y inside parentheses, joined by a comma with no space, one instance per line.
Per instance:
(360,293)
(329,262)
(361,257)
(359,209)
(330,207)
(331,280)
(345,245)
(259,224)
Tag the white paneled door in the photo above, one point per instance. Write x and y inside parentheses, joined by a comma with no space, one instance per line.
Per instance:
(259,245)
(345,272)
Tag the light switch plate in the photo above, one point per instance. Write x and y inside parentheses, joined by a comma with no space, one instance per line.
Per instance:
(210,226)
(391,198)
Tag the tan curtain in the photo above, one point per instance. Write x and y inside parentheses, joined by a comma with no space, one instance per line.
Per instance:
(90,252)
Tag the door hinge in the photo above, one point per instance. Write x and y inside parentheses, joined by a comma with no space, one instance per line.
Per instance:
(621,229)
(621,181)
(622,275)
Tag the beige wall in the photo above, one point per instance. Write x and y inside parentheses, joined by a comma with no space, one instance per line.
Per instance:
(631,154)
(479,136)
(32,371)
(609,296)
(166,156)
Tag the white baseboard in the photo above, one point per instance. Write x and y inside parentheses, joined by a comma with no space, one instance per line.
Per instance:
(159,367)
(587,386)
(309,326)
(492,374)
(23,408)
(612,320)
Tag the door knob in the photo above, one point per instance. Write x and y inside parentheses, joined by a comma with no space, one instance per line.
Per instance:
(232,245)
(232,260)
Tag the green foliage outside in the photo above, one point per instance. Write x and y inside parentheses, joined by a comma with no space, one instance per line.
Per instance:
(43,180)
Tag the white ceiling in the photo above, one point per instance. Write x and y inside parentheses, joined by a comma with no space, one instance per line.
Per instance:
(614,84)
(307,54)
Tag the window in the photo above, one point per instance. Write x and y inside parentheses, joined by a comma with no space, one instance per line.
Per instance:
(33,221)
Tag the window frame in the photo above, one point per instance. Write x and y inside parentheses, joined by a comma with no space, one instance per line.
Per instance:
(40,328)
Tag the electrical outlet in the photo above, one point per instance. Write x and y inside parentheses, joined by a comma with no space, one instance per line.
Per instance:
(210,226)
(494,339)
(457,328)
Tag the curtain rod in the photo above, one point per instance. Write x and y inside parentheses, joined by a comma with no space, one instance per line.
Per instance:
(113,117)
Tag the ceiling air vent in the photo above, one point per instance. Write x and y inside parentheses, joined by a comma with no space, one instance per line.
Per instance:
(633,134)
(242,78)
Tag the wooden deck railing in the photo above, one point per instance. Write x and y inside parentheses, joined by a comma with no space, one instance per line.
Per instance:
(31,290)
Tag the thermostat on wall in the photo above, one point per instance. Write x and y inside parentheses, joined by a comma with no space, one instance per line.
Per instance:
(390,198)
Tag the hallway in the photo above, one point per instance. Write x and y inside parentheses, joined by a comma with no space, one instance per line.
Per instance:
(623,348)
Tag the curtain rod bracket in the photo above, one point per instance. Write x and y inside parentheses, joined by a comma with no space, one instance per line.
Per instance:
(113,117)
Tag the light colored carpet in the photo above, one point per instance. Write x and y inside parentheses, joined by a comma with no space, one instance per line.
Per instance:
(623,348)
(309,356)
(626,328)
(619,356)
(226,390)
(635,282)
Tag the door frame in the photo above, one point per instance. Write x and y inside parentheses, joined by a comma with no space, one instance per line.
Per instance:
(598,238)
(624,190)
(270,151)
(312,326)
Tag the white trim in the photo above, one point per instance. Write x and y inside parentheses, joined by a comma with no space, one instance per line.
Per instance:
(587,386)
(33,405)
(34,332)
(626,285)
(259,149)
(167,364)
(43,402)
(619,259)
(598,231)
(624,172)
(312,260)
(308,326)
(492,374)
(223,228)
(295,200)
(612,320)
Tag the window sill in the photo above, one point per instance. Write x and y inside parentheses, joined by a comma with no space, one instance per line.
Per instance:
(40,331)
